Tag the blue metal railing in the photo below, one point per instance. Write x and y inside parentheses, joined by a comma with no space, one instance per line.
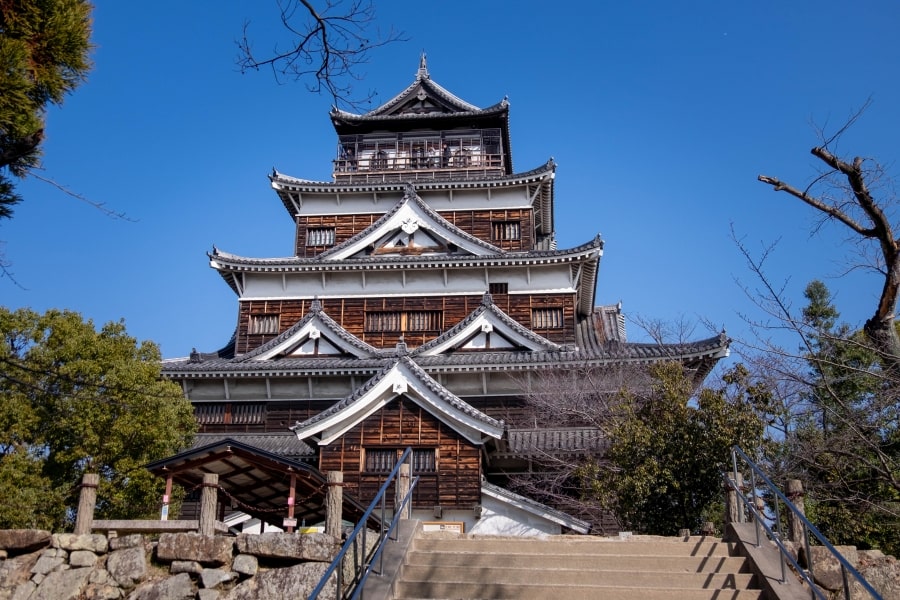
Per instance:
(363,559)
(757,479)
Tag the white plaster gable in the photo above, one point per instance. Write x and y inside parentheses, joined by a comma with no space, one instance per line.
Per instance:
(402,379)
(411,228)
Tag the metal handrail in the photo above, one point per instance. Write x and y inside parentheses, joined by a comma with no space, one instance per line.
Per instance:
(757,475)
(366,560)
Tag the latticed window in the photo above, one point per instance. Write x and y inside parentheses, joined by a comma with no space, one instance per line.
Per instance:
(498,288)
(263,323)
(506,230)
(424,460)
(412,320)
(546,318)
(209,414)
(230,413)
(320,236)
(382,460)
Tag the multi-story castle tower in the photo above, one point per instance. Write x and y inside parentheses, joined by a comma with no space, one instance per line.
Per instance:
(424,294)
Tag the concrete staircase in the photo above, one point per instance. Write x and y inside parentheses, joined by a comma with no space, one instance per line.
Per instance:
(574,568)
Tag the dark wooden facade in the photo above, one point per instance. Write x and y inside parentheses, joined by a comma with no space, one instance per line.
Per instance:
(482,224)
(351,314)
(454,480)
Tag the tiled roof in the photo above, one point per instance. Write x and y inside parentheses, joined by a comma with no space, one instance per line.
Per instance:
(453,104)
(281,181)
(421,377)
(281,444)
(561,441)
(608,353)
(220,259)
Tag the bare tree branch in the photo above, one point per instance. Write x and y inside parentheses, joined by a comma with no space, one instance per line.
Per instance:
(865,216)
(327,46)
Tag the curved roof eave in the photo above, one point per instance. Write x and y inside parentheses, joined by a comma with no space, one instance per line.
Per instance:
(281,182)
(702,353)
(226,263)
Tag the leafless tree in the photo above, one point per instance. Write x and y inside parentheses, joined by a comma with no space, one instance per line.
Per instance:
(330,40)
(843,192)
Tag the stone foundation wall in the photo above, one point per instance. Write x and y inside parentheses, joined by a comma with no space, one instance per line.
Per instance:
(38,565)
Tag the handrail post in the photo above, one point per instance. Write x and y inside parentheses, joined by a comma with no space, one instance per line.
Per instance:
(209,499)
(334,500)
(87,501)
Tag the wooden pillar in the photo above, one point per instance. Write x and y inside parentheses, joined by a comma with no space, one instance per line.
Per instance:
(334,501)
(87,500)
(795,494)
(733,509)
(164,513)
(402,490)
(292,500)
(208,502)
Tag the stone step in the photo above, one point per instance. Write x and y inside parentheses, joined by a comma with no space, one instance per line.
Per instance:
(645,578)
(524,591)
(575,545)
(515,559)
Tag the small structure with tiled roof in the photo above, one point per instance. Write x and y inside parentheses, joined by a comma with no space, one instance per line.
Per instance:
(425,291)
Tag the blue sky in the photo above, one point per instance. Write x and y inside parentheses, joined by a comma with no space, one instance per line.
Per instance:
(659,114)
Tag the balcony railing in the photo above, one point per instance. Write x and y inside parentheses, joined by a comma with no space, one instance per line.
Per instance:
(374,168)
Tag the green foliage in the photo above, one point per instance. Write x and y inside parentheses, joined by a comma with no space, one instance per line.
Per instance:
(74,400)
(845,444)
(671,447)
(44,46)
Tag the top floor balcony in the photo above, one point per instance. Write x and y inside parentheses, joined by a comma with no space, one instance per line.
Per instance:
(375,158)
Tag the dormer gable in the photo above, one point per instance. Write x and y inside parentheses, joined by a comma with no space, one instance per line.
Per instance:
(316,334)
(403,378)
(411,228)
(487,328)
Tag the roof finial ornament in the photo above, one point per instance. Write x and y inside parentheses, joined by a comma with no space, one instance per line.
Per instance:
(423,67)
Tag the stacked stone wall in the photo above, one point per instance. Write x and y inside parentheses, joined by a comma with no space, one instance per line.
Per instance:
(38,565)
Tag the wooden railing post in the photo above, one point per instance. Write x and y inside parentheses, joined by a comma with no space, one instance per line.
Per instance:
(209,499)
(402,490)
(87,501)
(334,501)
(795,494)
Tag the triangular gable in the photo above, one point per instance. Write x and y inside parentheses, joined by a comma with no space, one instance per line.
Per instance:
(411,228)
(423,96)
(487,328)
(316,334)
(402,379)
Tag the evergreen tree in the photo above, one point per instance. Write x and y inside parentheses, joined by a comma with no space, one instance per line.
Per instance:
(44,46)
(664,466)
(74,399)
(846,444)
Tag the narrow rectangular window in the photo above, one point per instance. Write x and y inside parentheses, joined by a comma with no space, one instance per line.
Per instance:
(412,320)
(423,460)
(263,323)
(380,460)
(209,414)
(320,236)
(498,288)
(383,460)
(503,231)
(546,318)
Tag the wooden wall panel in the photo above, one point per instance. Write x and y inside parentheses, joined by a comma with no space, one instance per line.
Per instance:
(457,480)
(473,222)
(350,313)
